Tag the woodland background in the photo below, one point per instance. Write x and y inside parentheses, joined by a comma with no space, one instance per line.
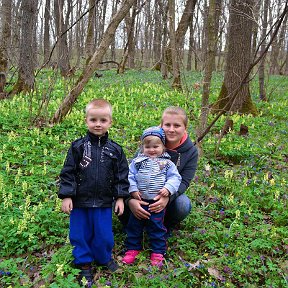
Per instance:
(225,62)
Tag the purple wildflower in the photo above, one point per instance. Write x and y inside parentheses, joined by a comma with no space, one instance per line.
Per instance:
(227,270)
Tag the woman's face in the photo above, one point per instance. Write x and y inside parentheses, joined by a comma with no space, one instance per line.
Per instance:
(174,127)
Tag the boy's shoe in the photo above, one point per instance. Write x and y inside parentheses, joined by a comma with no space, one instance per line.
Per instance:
(157,259)
(111,265)
(130,256)
(86,277)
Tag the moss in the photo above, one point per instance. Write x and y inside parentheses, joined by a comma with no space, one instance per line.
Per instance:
(248,106)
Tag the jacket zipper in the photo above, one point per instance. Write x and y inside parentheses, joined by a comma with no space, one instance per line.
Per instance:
(97,171)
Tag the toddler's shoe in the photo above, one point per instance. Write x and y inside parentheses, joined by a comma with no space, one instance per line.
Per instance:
(157,259)
(130,256)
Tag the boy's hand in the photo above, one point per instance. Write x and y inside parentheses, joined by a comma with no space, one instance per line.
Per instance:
(164,192)
(136,195)
(67,205)
(119,206)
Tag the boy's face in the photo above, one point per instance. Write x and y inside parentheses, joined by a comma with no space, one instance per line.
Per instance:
(174,128)
(98,120)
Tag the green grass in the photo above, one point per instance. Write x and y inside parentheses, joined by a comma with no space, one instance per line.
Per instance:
(236,234)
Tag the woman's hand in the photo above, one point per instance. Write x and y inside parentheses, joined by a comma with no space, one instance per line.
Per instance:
(137,210)
(159,205)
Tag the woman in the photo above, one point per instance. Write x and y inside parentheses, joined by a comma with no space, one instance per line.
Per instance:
(185,156)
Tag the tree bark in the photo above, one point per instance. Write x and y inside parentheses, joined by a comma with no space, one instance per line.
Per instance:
(61,26)
(238,59)
(209,65)
(183,25)
(130,46)
(277,44)
(47,31)
(26,77)
(262,92)
(176,84)
(88,71)
(5,34)
(89,49)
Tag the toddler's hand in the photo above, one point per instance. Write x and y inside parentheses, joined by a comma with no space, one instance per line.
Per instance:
(164,192)
(136,195)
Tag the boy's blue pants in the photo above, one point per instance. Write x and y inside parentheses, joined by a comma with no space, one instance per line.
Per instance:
(91,235)
(154,227)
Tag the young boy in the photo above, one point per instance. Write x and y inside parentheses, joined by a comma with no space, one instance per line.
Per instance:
(151,173)
(95,173)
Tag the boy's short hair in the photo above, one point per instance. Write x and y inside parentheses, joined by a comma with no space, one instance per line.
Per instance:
(98,103)
(174,110)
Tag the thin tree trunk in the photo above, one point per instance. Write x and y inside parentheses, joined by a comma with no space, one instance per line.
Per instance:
(262,92)
(190,49)
(61,26)
(209,65)
(173,48)
(130,24)
(26,77)
(47,31)
(158,29)
(89,47)
(6,10)
(181,30)
(88,71)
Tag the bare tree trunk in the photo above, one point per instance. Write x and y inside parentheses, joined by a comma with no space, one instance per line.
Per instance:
(113,52)
(46,47)
(276,46)
(88,71)
(286,59)
(130,24)
(255,25)
(147,35)
(158,27)
(238,59)
(190,45)
(26,77)
(164,68)
(89,49)
(173,48)
(78,35)
(61,26)
(209,65)
(181,30)
(262,92)
(6,9)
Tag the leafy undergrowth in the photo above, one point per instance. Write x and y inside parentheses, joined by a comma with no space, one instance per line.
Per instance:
(236,234)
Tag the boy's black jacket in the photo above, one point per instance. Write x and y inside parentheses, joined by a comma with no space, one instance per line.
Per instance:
(104,179)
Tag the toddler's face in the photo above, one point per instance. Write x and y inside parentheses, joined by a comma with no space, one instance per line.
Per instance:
(98,120)
(153,150)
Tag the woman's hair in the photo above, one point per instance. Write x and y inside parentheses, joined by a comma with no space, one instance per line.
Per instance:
(174,110)
(98,103)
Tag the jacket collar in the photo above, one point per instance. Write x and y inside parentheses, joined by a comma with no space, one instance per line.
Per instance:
(96,139)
